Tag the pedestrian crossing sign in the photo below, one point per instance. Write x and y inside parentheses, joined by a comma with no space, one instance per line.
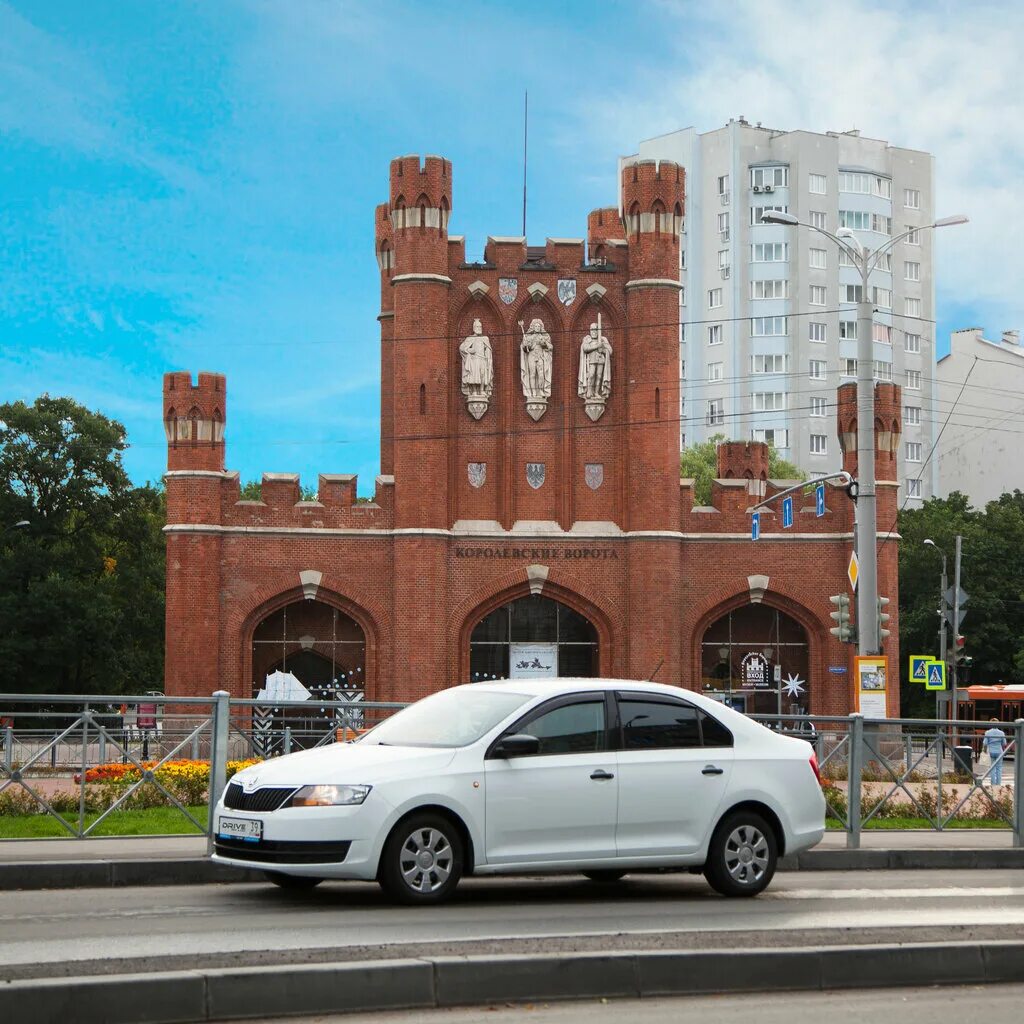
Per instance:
(936,675)
(919,667)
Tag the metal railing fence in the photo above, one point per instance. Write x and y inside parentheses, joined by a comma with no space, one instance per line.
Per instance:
(56,750)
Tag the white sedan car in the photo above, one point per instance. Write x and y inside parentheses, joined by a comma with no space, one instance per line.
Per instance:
(596,776)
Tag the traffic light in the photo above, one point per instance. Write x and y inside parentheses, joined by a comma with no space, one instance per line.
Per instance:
(883,618)
(842,629)
(959,652)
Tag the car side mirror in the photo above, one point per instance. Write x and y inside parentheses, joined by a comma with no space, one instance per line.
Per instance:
(519,744)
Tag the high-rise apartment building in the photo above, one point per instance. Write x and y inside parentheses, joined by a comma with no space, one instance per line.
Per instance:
(769,312)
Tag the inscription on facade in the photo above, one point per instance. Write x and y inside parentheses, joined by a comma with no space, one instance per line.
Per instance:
(567,554)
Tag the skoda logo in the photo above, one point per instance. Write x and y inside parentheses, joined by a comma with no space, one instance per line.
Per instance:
(250,784)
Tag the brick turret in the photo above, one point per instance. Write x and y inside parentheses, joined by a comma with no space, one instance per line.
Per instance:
(888,428)
(744,460)
(385,248)
(194,417)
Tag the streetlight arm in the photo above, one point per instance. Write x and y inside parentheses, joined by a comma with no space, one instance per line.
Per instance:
(855,256)
(881,251)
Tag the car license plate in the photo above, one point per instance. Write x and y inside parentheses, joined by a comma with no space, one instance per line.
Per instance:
(249,829)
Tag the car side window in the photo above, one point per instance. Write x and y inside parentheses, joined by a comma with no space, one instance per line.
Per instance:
(570,729)
(658,725)
(713,733)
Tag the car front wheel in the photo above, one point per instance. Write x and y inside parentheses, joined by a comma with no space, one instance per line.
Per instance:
(422,860)
(742,856)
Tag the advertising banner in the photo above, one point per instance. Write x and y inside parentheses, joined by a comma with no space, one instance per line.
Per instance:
(533,661)
(871,678)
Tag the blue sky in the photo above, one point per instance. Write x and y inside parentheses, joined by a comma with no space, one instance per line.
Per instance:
(190,185)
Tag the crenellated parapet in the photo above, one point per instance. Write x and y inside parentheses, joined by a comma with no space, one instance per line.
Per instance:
(653,202)
(888,428)
(194,416)
(419,207)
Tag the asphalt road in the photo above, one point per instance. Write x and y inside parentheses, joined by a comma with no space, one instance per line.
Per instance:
(966,1005)
(79,931)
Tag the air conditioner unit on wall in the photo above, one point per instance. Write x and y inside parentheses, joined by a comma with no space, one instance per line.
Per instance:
(757,188)
(768,188)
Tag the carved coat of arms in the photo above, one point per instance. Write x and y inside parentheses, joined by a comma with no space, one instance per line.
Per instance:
(535,474)
(477,472)
(567,291)
(593,474)
(508,289)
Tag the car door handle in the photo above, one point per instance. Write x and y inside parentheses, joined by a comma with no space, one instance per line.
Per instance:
(710,769)
(601,775)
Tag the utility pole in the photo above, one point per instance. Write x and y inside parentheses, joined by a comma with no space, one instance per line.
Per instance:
(867,519)
(956,625)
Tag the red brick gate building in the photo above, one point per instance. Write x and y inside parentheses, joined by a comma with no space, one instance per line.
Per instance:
(529,515)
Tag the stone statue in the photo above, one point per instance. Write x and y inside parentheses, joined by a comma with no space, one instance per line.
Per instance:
(595,376)
(535,355)
(477,371)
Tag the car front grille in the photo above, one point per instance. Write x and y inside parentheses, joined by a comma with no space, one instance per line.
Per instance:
(269,798)
(276,851)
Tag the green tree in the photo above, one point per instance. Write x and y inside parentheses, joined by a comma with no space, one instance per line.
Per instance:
(700,462)
(82,586)
(253,491)
(992,573)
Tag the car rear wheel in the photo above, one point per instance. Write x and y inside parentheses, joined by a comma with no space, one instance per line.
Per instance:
(422,860)
(606,877)
(742,856)
(292,881)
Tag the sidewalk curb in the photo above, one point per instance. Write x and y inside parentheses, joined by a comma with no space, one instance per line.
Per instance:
(446,981)
(105,874)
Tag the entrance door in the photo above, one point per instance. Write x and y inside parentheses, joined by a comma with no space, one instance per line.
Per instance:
(557,806)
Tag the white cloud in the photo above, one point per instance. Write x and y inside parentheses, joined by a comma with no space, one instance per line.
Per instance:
(939,77)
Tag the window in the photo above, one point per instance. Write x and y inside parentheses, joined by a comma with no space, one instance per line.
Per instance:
(912,307)
(758,212)
(817,331)
(723,184)
(817,184)
(913,380)
(848,330)
(817,295)
(714,297)
(682,369)
(723,223)
(914,488)
(912,342)
(859,220)
(767,326)
(850,181)
(769,252)
(816,218)
(913,450)
(817,369)
(768,401)
(883,225)
(769,289)
(883,261)
(571,729)
(682,295)
(777,363)
(882,297)
(819,407)
(912,198)
(682,259)
(819,444)
(913,235)
(912,415)
(716,412)
(882,333)
(853,292)
(912,270)
(715,371)
(882,370)
(715,334)
(848,367)
(723,258)
(668,725)
(882,187)
(777,437)
(817,259)
(777,177)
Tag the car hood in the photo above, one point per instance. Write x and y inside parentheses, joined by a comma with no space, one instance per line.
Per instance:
(353,763)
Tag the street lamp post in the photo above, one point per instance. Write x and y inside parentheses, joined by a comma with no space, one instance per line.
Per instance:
(866,528)
(943,586)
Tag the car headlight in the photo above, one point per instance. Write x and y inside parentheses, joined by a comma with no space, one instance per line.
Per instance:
(329,796)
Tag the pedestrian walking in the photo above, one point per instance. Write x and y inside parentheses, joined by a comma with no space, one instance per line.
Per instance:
(995,743)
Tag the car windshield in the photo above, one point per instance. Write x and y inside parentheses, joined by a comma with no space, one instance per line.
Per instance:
(450,718)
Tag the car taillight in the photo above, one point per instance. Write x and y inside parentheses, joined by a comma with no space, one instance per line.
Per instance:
(814,766)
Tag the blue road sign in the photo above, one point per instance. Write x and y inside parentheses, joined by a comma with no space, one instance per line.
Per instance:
(819,500)
(787,512)
(755,526)
(936,676)
(919,667)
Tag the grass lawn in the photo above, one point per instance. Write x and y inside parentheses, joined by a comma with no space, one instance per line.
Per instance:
(154,821)
(881,824)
